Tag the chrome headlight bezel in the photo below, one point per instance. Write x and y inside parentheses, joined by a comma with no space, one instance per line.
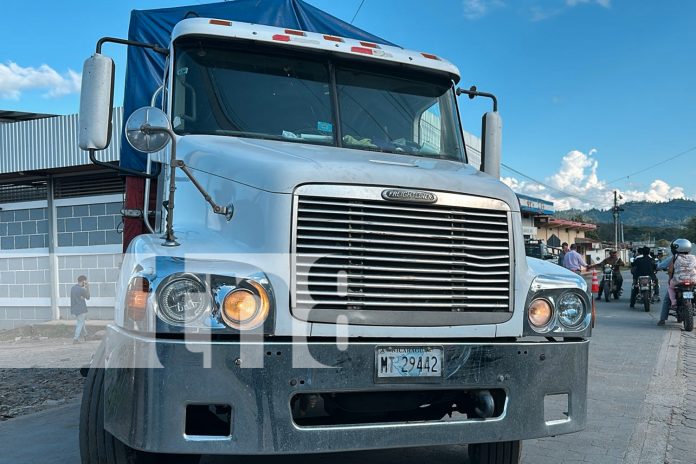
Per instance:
(555,290)
(203,302)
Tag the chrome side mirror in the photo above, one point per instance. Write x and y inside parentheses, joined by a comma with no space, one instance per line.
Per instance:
(139,133)
(96,103)
(491,143)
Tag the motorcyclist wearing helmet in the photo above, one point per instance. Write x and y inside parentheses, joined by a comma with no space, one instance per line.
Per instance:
(615,262)
(681,268)
(643,265)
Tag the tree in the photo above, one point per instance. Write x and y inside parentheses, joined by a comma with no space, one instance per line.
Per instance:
(690,229)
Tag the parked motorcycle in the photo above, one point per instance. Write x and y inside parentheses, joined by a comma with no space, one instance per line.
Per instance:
(610,286)
(642,292)
(685,304)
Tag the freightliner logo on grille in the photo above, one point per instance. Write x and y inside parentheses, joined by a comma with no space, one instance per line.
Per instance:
(415,196)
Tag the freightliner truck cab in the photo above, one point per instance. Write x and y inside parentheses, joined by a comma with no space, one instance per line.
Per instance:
(325,271)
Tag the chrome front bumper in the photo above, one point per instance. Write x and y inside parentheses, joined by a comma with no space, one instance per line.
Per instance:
(145,407)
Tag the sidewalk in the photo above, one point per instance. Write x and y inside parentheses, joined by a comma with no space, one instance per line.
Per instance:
(52,329)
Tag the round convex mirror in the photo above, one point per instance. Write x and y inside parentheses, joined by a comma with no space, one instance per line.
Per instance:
(147,142)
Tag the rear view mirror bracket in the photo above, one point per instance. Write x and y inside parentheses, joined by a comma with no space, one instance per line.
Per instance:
(96,62)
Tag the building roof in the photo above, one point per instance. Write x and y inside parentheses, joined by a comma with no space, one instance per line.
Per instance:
(17,116)
(50,143)
(554,223)
(535,205)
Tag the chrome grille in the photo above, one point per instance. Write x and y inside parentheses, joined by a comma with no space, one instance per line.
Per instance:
(368,254)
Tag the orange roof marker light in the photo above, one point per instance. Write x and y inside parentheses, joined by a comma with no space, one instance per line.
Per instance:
(333,38)
(431,56)
(220,22)
(369,44)
(295,32)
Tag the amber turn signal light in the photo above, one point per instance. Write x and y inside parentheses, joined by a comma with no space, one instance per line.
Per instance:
(136,298)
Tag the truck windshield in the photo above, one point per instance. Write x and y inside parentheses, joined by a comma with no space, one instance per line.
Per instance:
(220,90)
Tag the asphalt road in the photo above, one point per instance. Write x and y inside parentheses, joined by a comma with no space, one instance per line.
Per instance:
(642,408)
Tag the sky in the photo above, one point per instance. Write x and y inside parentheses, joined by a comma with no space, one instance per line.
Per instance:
(593,93)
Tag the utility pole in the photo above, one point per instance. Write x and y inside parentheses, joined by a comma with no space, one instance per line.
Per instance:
(616,210)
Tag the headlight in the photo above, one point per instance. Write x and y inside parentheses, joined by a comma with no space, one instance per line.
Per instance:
(246,309)
(571,310)
(182,300)
(540,313)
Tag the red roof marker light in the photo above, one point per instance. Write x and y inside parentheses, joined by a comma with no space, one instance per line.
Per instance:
(365,51)
(369,44)
(220,22)
(281,38)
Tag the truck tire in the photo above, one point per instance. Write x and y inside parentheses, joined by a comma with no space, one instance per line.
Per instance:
(504,452)
(688,314)
(97,446)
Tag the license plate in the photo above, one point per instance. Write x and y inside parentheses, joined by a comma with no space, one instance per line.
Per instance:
(408,361)
(688,295)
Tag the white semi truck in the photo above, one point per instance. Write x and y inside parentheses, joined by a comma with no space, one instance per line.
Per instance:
(325,272)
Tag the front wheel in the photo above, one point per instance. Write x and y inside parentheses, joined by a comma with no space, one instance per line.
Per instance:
(504,452)
(688,315)
(646,300)
(607,291)
(97,446)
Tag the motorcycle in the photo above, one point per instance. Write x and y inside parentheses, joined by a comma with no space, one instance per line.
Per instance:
(685,304)
(643,292)
(610,286)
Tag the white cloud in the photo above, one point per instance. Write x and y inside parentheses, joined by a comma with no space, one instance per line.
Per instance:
(603,3)
(577,176)
(538,10)
(15,79)
(475,9)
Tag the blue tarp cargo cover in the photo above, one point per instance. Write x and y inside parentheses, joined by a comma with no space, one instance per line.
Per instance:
(146,68)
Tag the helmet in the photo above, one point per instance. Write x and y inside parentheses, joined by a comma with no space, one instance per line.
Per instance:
(680,245)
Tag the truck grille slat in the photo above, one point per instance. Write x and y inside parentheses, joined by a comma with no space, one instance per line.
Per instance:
(363,253)
(419,305)
(412,250)
(350,239)
(316,267)
(396,225)
(385,215)
(400,277)
(405,207)
(400,286)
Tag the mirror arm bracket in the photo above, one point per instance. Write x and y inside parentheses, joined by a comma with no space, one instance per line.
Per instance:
(473,93)
(155,48)
(226,211)
(127,171)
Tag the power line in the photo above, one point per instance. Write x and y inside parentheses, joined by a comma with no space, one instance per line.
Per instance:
(654,165)
(357,11)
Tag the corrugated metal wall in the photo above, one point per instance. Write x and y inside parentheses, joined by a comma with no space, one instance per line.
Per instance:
(50,143)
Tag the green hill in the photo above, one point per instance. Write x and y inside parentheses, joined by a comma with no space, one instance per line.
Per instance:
(673,213)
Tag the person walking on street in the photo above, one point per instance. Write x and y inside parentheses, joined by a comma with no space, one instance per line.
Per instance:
(79,294)
(574,260)
(561,255)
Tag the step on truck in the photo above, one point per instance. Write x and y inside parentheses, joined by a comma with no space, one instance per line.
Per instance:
(323,271)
